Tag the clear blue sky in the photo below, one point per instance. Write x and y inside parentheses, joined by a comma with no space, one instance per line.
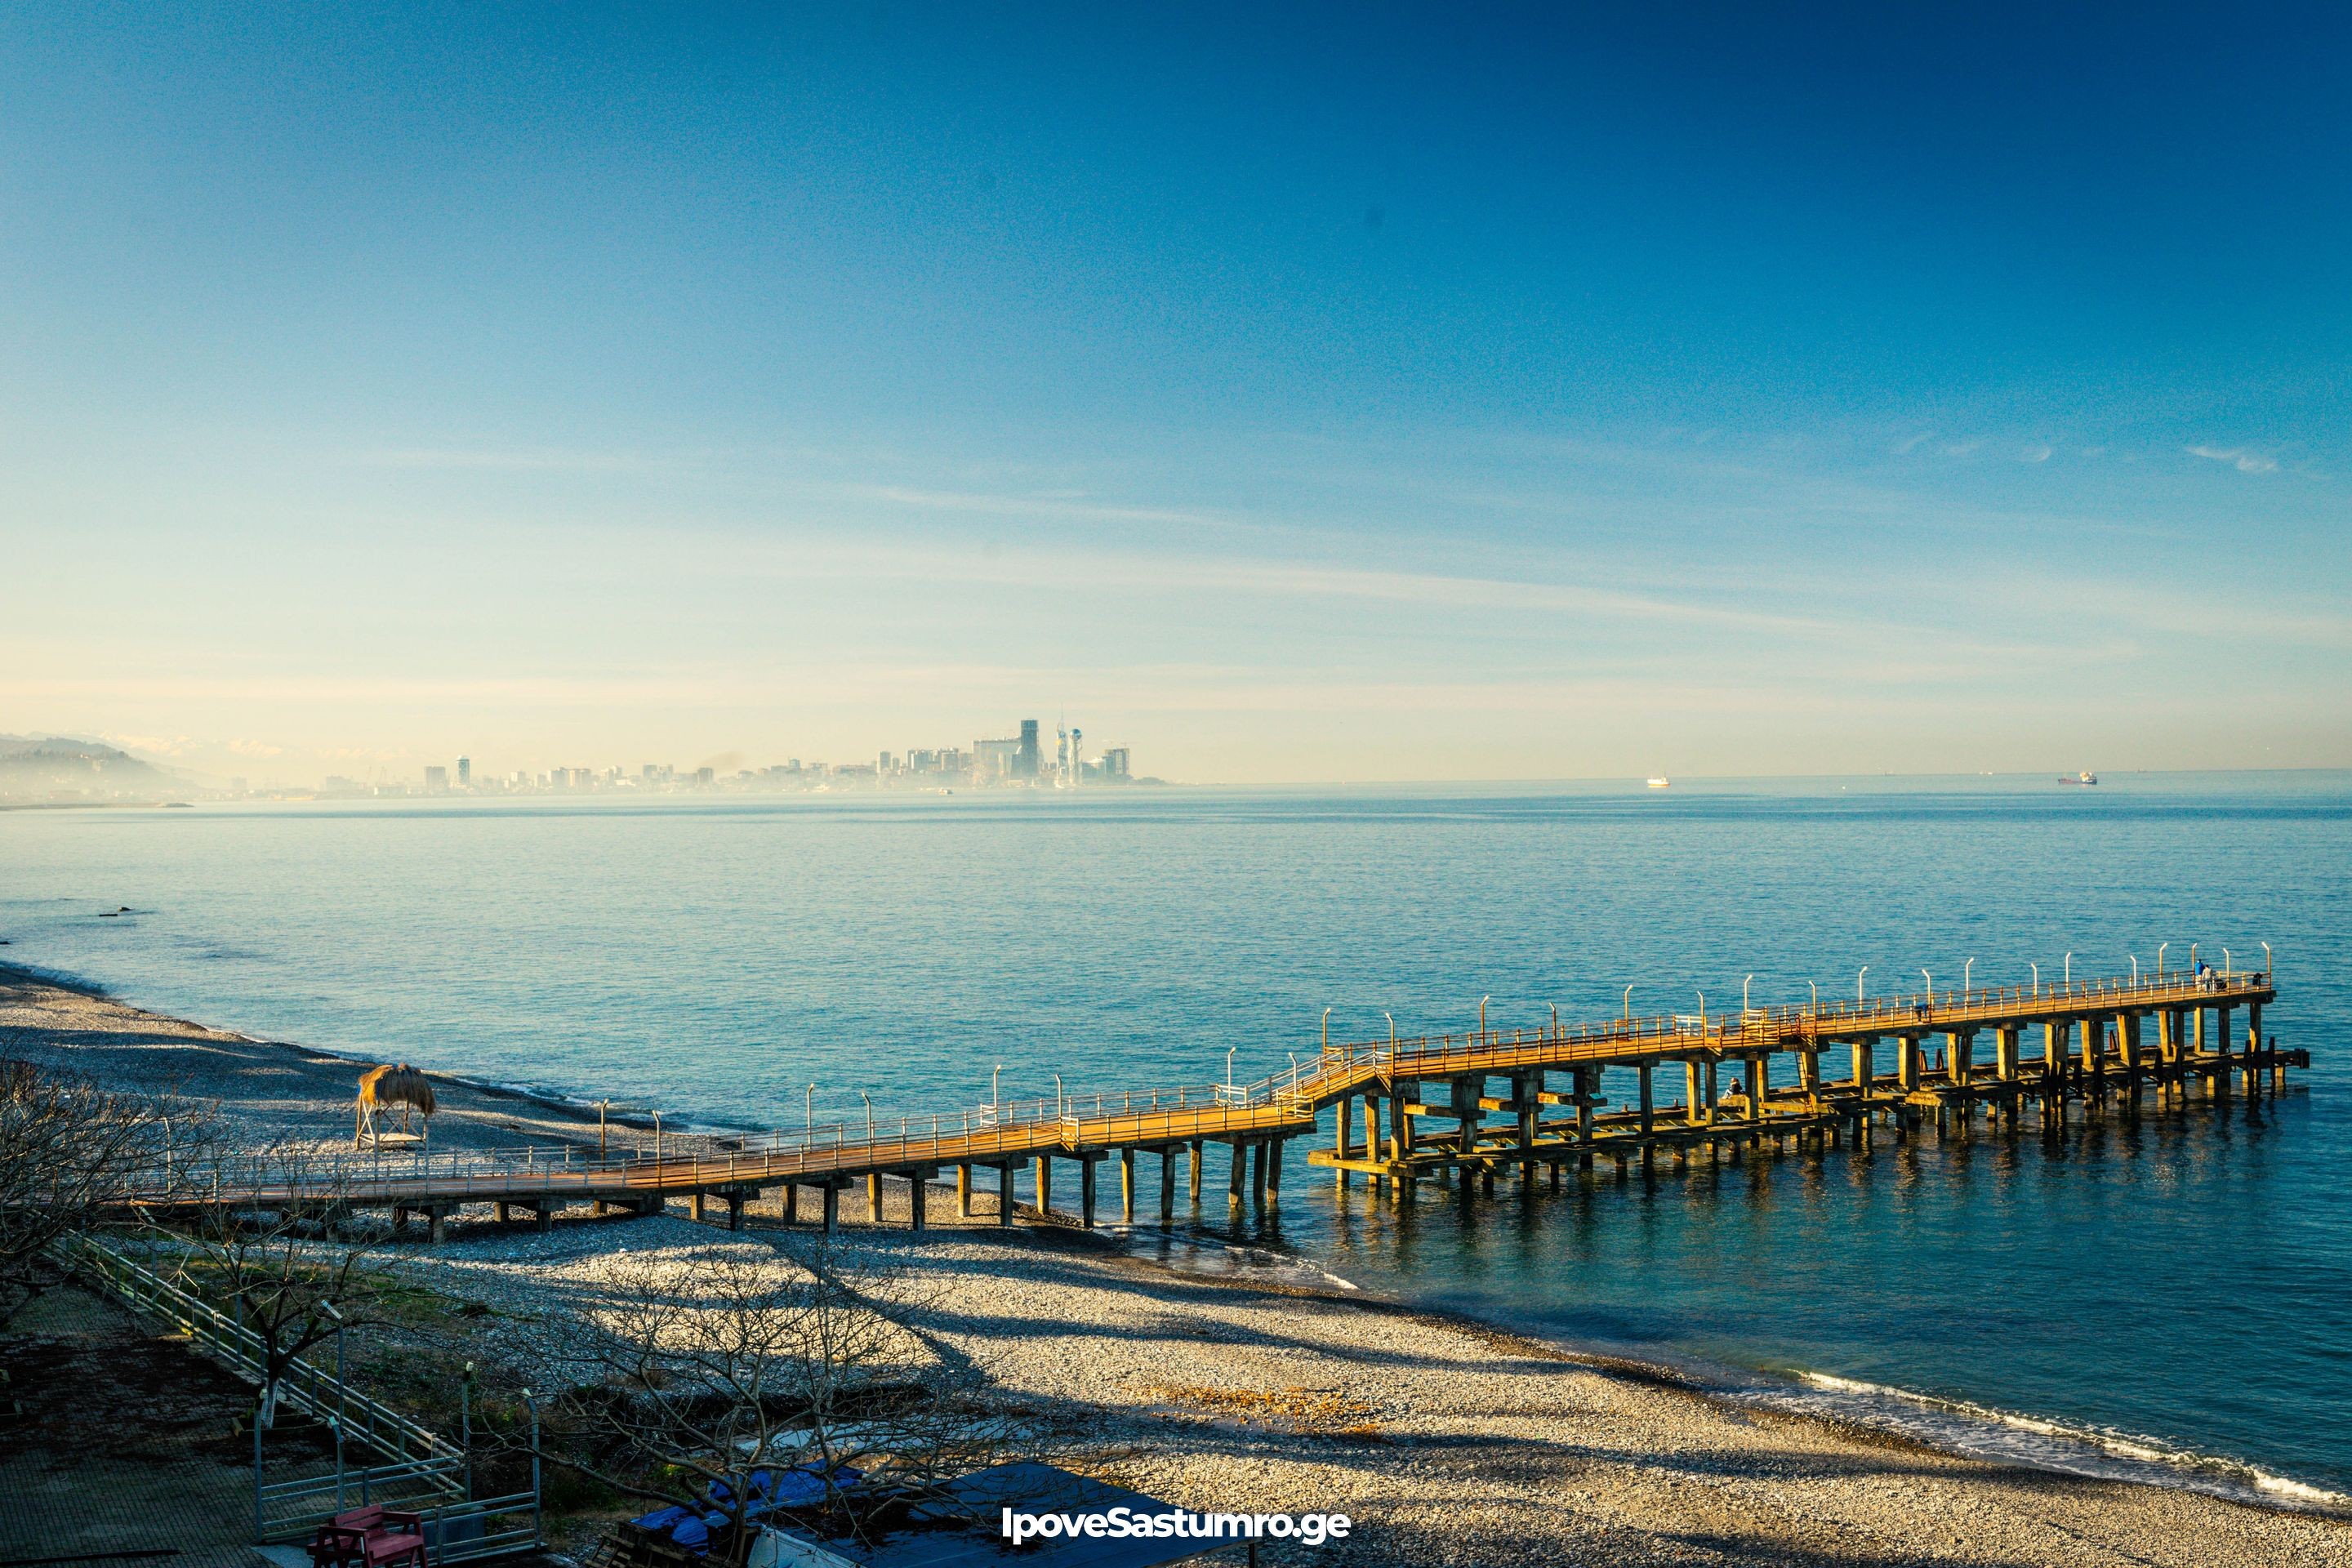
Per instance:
(1336,394)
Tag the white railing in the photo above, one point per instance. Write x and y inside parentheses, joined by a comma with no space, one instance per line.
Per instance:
(1020,1127)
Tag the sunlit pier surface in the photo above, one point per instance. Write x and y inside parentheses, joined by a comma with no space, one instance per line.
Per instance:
(1466,1109)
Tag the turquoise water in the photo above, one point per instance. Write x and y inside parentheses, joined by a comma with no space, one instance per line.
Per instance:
(2185,1285)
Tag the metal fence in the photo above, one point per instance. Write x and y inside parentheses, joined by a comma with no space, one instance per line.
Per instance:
(421,1471)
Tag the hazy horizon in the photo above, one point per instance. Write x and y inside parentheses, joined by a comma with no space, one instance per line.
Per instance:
(1294,399)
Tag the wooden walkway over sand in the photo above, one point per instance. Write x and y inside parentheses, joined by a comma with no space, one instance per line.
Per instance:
(1448,1106)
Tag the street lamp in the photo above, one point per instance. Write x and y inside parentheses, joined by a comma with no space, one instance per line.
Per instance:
(2160,958)
(1628,1014)
(1482,1018)
(1384,1013)
(2266,958)
(2134,958)
(1229,1075)
(2037,976)
(869,1111)
(1930,980)
(1327,1033)
(1817,996)
(1058,1094)
(808,1124)
(2192,958)
(2070,969)
(1857,983)
(2225,963)
(1966,969)
(996,1100)
(1743,994)
(1554,1019)
(1702,1007)
(334,1311)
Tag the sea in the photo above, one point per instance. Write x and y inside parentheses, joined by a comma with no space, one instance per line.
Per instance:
(2169,1301)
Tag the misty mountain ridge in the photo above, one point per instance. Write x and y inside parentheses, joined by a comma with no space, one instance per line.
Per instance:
(63,767)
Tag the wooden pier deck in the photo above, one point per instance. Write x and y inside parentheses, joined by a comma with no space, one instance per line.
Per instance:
(1447,1106)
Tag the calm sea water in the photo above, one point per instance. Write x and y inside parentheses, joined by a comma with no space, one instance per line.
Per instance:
(2183,1289)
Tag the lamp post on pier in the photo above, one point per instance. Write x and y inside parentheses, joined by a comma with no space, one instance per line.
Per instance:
(2225,963)
(869,1113)
(2266,958)
(1229,1075)
(1966,969)
(1384,1013)
(1482,1019)
(1326,1037)
(808,1126)
(1930,980)
(1743,994)
(2070,969)
(2037,976)
(1627,1014)
(2160,958)
(2134,958)
(996,1098)
(1857,983)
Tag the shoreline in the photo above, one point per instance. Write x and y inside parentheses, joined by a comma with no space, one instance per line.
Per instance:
(267,1086)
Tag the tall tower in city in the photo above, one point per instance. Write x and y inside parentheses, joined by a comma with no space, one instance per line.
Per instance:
(1024,759)
(1077,756)
(465,773)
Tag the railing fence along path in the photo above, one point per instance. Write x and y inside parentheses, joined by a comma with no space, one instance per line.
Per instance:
(419,1469)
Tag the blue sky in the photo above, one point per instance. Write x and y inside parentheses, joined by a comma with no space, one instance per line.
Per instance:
(1336,394)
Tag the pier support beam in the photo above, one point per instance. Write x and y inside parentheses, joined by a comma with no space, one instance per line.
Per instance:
(964,1191)
(832,1190)
(1239,1183)
(1167,1186)
(1086,1193)
(1044,1184)
(1004,1192)
(1126,1185)
(919,1186)
(1195,1175)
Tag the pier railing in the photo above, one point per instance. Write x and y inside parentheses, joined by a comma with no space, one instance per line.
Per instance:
(1015,1129)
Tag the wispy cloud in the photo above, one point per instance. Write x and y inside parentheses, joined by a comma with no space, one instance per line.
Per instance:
(2245,459)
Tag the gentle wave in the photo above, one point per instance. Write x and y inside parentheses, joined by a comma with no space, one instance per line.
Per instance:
(1981,1431)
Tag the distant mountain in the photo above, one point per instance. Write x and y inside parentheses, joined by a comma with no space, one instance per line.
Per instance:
(51,768)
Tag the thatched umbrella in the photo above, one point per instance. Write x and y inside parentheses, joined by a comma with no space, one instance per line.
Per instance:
(382,1087)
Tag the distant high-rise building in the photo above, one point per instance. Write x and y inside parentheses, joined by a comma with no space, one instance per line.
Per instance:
(995,759)
(1025,761)
(706,777)
(1114,764)
(465,773)
(437,780)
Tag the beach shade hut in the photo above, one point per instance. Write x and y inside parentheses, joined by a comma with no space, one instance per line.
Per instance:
(381,1090)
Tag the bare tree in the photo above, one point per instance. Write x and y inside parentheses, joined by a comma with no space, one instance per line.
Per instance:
(697,1370)
(276,1261)
(73,1156)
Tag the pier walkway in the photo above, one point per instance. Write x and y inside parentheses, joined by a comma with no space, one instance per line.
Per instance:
(1446,1107)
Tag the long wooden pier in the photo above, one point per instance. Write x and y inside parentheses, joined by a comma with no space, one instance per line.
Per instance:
(1436,1108)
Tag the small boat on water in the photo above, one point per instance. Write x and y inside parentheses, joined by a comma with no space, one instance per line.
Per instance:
(1662,781)
(2084,778)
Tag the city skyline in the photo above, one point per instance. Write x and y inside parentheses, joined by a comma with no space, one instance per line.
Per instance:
(1507,396)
